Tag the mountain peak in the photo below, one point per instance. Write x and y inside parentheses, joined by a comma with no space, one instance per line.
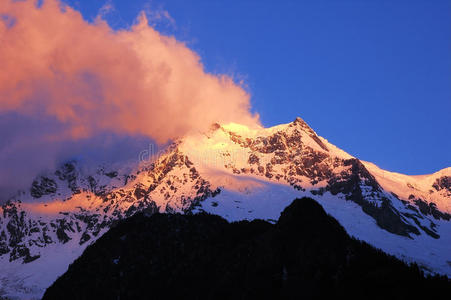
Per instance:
(299,122)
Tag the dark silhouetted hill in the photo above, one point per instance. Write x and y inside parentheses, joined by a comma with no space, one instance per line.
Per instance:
(306,255)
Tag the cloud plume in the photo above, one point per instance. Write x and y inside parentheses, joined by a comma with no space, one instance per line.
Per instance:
(82,79)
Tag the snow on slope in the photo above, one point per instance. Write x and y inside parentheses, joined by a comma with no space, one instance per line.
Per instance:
(419,186)
(236,172)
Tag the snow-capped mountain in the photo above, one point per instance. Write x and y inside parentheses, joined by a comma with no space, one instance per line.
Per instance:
(233,171)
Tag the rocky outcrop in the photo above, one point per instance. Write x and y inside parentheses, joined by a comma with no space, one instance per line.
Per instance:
(43,186)
(68,173)
(443,183)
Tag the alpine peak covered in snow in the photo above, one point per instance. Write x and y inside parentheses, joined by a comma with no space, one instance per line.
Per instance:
(233,171)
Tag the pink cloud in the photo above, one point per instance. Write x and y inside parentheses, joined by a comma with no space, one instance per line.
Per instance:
(93,78)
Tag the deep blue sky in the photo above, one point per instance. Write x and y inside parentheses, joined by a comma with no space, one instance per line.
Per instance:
(373,77)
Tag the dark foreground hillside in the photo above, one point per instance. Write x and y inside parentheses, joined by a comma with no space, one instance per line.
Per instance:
(306,255)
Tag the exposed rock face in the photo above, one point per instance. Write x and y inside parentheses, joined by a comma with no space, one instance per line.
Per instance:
(43,186)
(356,183)
(431,209)
(68,173)
(443,183)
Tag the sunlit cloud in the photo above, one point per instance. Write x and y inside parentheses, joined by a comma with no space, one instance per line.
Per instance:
(87,79)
